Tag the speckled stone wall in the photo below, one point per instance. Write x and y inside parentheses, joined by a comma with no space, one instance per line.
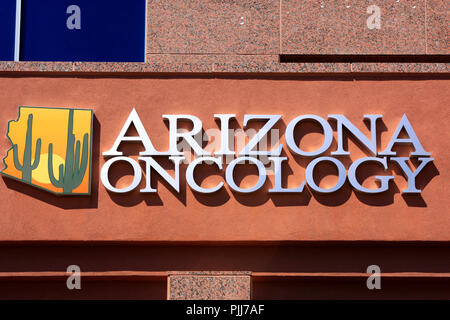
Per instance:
(211,285)
(248,36)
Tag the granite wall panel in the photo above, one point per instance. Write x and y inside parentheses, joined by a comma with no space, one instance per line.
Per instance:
(345,27)
(218,27)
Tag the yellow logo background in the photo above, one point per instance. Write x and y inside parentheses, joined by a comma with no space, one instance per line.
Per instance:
(61,136)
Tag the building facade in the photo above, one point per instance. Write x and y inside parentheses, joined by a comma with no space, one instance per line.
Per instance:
(272,149)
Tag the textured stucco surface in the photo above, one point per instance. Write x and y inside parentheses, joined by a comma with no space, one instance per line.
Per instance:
(30,214)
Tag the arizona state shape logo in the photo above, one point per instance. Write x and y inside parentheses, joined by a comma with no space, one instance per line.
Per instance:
(51,149)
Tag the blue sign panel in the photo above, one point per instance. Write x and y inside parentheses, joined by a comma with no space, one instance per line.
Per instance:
(7,29)
(83,30)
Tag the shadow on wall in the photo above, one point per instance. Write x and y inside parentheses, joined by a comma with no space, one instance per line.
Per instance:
(241,172)
(262,195)
(309,257)
(302,256)
(67,202)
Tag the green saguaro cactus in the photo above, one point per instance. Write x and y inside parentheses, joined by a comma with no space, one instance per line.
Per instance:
(27,166)
(71,174)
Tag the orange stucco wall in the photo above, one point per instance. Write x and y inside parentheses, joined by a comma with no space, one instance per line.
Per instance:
(31,214)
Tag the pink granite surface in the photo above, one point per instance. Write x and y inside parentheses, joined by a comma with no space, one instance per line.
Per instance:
(340,27)
(218,64)
(248,36)
(209,286)
(211,26)
(185,63)
(210,273)
(30,66)
(401,68)
(438,22)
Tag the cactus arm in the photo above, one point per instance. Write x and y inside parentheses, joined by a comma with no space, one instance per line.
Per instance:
(16,158)
(61,172)
(77,156)
(28,141)
(68,173)
(53,180)
(70,123)
(81,170)
(70,146)
(69,158)
(37,156)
